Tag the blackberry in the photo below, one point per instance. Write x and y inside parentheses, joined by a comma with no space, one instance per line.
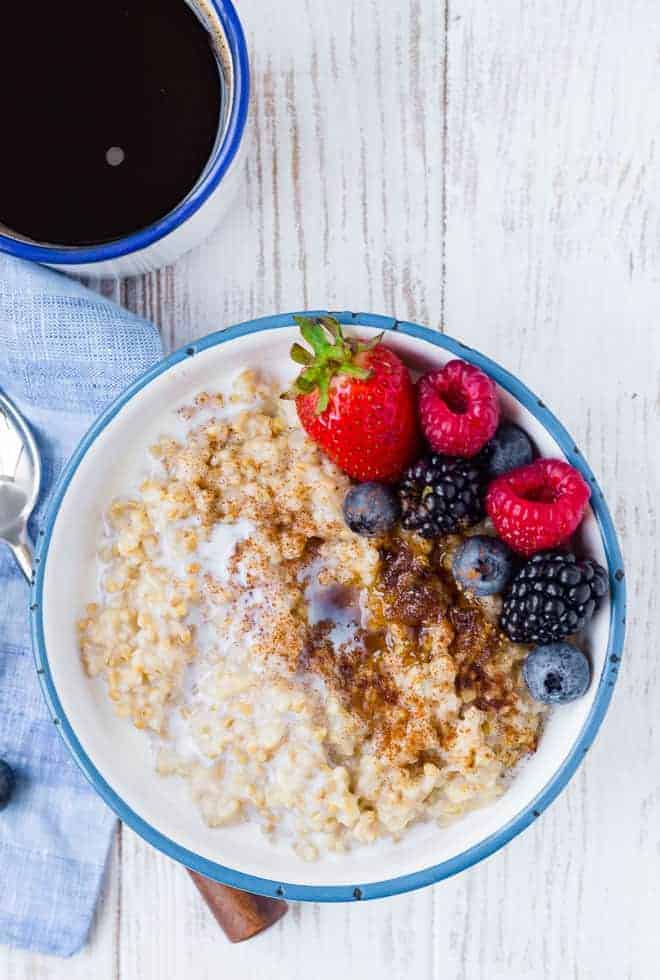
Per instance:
(441,495)
(552,596)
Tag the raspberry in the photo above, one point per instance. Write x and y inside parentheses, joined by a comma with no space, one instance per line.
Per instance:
(537,506)
(458,408)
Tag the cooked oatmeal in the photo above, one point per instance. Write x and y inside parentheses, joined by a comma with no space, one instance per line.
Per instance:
(334,688)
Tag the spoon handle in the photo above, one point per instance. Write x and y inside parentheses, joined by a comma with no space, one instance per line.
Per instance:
(241,915)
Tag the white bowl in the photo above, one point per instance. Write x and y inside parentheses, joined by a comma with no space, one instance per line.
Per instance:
(116,757)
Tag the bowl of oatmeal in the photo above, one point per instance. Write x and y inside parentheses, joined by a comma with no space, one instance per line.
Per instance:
(273,700)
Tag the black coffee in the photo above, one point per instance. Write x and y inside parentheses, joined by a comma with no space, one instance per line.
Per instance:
(109,111)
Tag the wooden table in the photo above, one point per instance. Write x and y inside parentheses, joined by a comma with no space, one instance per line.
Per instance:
(492,168)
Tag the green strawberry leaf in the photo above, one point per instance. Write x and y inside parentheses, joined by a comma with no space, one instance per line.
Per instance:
(300,355)
(333,354)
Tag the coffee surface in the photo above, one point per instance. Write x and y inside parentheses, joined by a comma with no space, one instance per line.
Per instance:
(109,112)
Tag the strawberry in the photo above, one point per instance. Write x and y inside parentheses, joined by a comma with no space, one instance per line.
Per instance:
(356,400)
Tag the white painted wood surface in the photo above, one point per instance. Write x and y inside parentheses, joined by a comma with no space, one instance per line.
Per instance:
(493,167)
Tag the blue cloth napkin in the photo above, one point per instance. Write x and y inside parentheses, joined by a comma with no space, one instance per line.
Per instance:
(64,354)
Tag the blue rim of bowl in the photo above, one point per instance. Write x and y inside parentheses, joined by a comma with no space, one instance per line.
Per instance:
(474,854)
(222,159)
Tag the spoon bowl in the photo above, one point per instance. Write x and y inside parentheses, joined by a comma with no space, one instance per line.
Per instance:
(13,502)
(20,481)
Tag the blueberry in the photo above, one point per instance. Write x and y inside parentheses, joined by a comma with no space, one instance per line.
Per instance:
(483,565)
(7,780)
(509,448)
(371,508)
(556,673)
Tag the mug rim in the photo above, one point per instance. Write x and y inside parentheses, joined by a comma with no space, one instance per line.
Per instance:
(217,167)
(471,855)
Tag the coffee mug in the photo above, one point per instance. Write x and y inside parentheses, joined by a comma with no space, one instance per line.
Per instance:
(195,217)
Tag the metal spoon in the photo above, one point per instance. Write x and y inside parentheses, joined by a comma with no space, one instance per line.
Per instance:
(240,914)
(20,479)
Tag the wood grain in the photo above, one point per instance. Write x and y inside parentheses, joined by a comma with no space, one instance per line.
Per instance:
(552,268)
(493,167)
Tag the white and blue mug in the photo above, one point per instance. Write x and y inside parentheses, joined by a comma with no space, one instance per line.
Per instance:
(195,217)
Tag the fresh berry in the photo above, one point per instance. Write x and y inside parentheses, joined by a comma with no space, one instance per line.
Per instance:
(356,401)
(7,782)
(441,494)
(552,596)
(556,673)
(509,448)
(458,408)
(483,565)
(371,508)
(537,506)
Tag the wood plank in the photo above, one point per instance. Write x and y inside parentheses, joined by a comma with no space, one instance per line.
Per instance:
(341,204)
(552,258)
(167,931)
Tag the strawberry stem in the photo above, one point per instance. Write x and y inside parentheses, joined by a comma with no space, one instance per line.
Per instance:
(333,354)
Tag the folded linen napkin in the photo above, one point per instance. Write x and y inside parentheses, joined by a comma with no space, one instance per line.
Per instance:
(64,354)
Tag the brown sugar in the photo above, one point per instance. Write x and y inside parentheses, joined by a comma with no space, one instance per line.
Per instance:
(413,592)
